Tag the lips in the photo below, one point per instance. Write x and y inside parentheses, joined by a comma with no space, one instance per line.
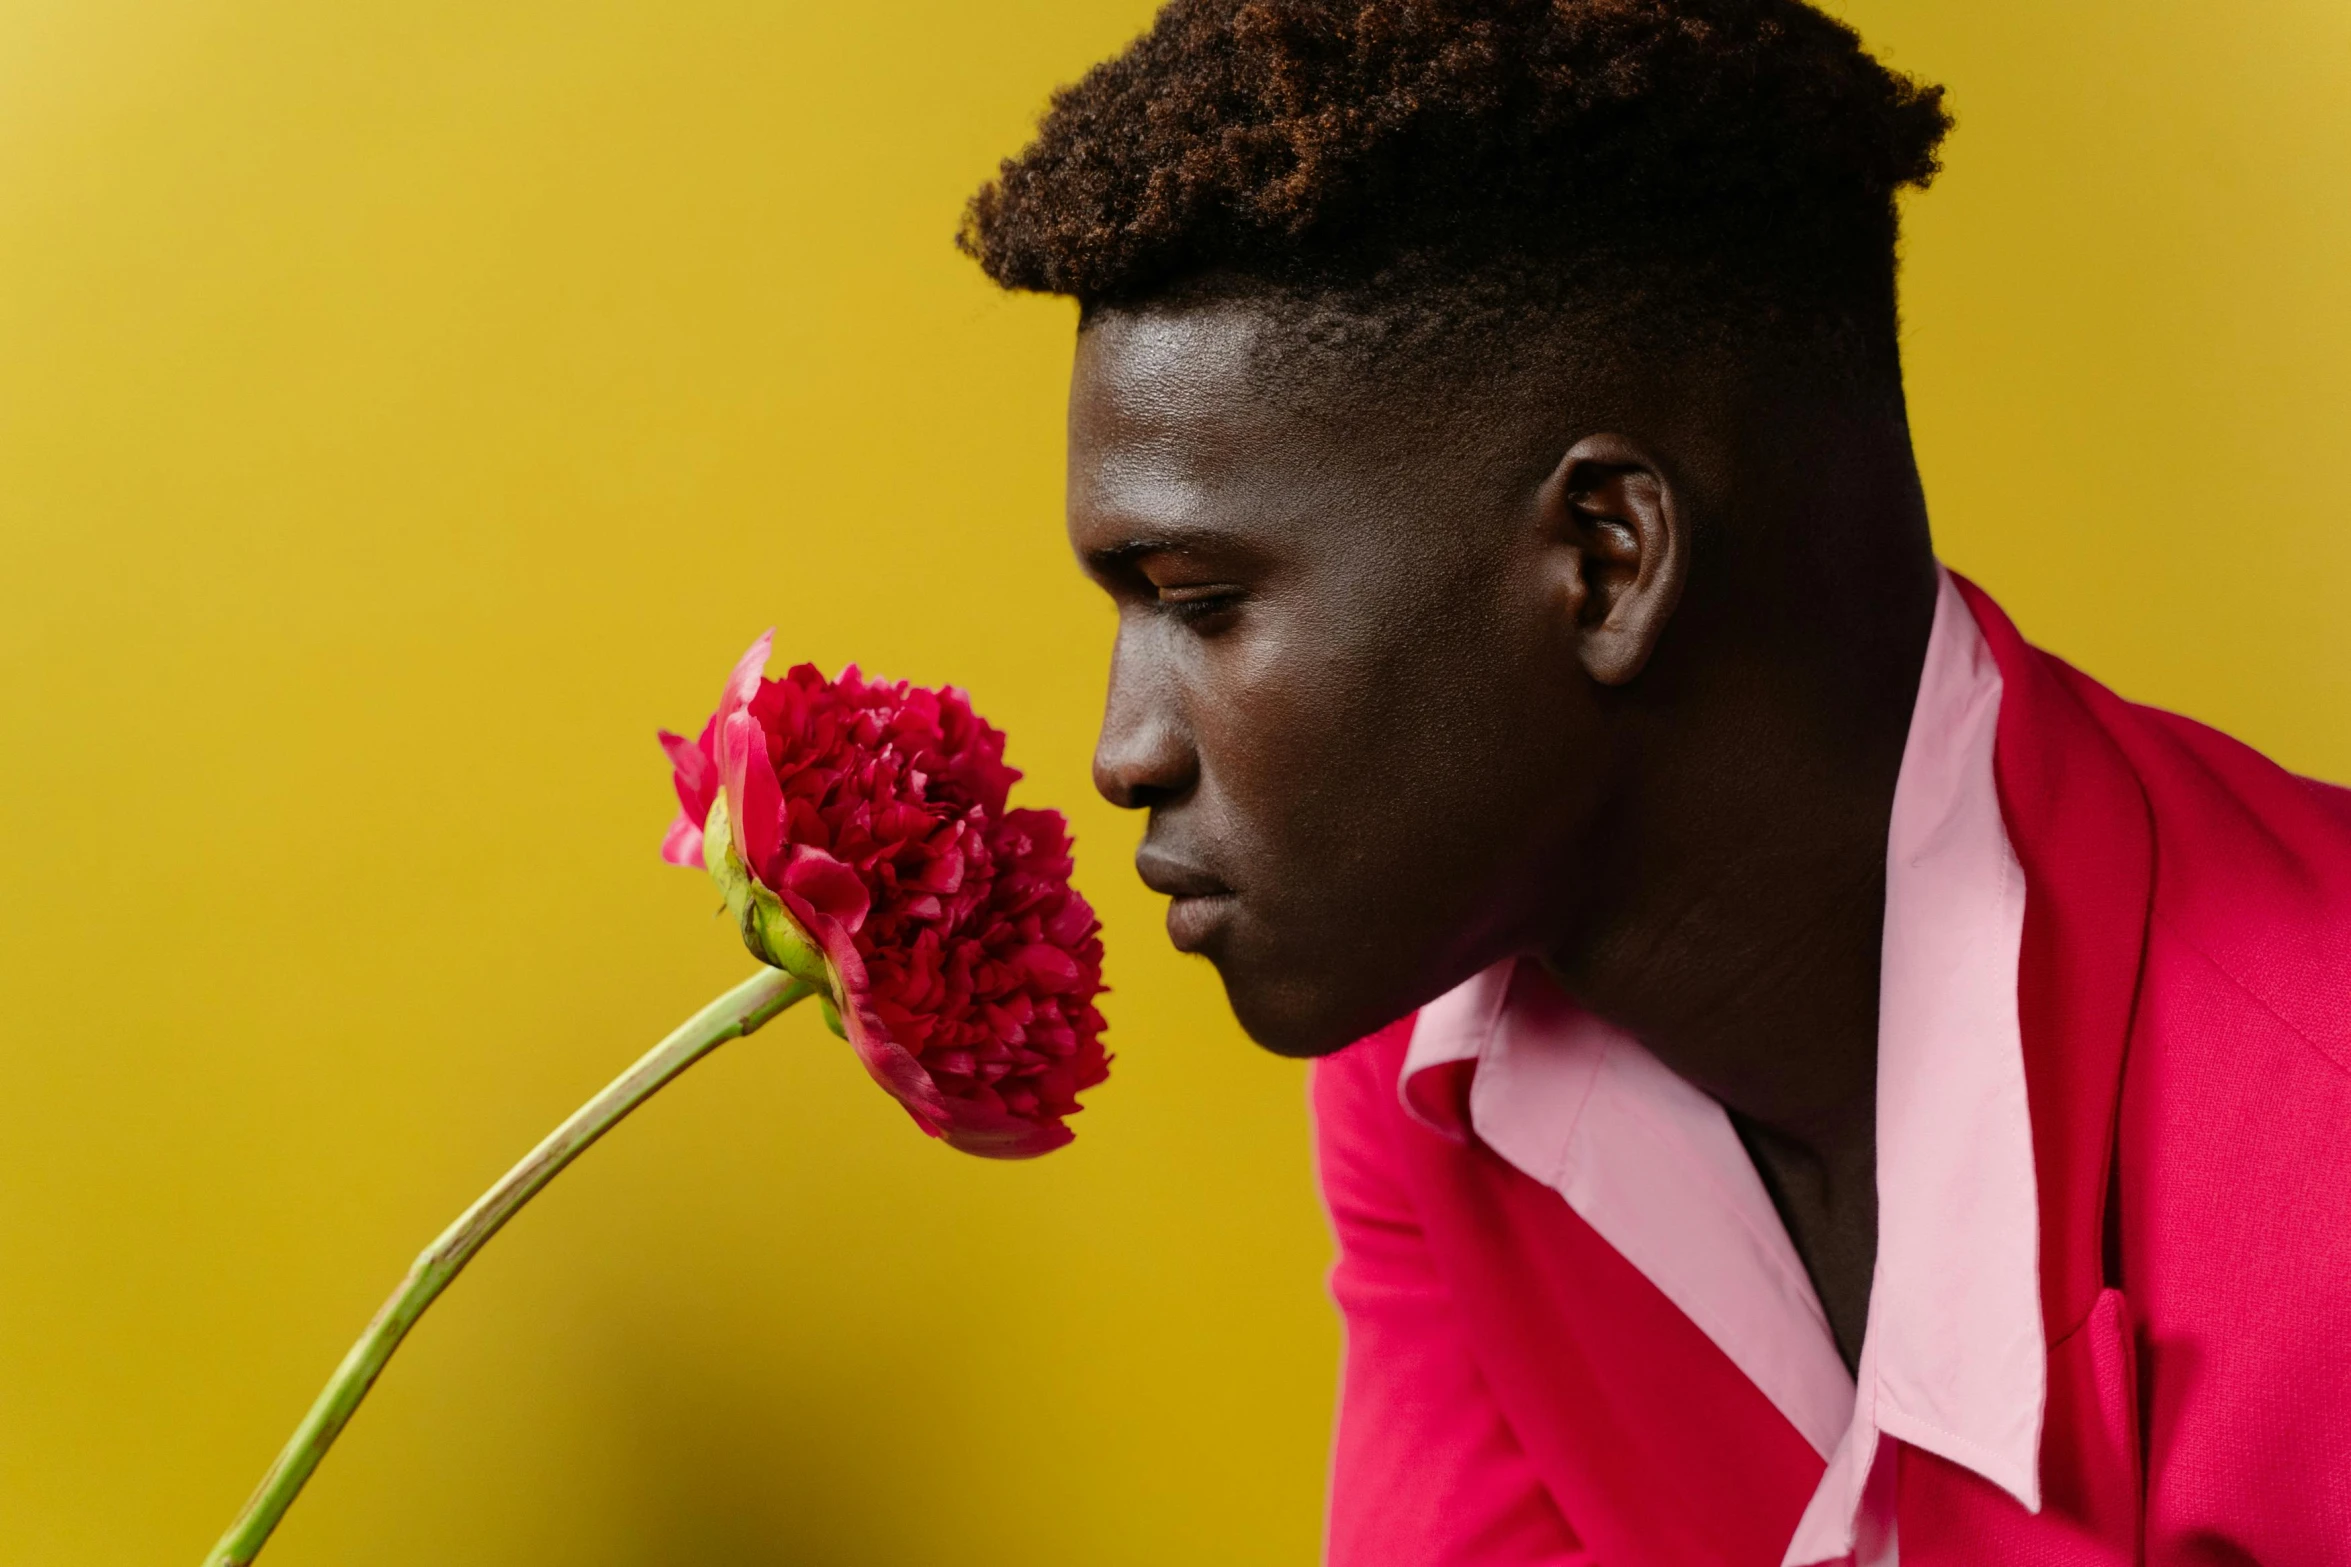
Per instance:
(1199,900)
(1163,872)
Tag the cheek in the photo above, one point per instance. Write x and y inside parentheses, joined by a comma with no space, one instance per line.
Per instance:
(1322,732)
(1283,723)
(1434,744)
(1390,806)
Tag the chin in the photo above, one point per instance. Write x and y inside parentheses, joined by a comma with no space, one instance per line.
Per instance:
(1298,1017)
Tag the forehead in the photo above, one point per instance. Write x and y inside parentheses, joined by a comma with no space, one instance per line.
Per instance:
(1163,408)
(1174,385)
(1205,416)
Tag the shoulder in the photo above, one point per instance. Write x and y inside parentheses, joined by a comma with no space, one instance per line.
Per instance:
(2252,887)
(2248,866)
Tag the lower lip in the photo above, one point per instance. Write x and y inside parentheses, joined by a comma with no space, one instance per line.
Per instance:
(1192,921)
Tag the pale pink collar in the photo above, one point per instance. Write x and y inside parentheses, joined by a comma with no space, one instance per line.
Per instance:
(1953,1360)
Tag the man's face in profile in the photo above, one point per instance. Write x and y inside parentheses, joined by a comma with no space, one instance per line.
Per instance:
(1343,685)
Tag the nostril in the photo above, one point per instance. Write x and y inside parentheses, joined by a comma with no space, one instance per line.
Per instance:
(1144,777)
(1112,787)
(1144,755)
(1128,792)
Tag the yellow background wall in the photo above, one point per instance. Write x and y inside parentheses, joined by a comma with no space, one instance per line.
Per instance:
(406,405)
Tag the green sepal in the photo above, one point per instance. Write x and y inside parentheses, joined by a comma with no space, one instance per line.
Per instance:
(767,927)
(832,1015)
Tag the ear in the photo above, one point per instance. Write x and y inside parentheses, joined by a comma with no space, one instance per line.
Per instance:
(1610,504)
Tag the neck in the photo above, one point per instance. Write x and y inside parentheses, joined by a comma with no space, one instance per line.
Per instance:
(1741,871)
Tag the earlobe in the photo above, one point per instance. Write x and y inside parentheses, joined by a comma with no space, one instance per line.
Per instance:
(1609,504)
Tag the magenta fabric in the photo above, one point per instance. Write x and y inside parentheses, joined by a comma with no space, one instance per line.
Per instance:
(1516,1392)
(1481,1421)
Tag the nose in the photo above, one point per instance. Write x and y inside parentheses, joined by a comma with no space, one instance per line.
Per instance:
(1144,756)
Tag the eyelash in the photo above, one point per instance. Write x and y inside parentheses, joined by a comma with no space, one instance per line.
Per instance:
(1194,602)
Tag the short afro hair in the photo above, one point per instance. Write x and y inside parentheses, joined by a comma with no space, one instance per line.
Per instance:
(1702,171)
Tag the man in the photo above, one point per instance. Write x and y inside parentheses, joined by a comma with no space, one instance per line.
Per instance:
(1807,1077)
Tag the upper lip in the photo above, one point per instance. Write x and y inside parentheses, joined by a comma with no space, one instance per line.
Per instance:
(1164,873)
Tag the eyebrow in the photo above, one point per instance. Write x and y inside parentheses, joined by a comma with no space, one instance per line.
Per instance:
(1110,557)
(1202,539)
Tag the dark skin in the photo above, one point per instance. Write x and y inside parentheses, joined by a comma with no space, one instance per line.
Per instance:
(1610,667)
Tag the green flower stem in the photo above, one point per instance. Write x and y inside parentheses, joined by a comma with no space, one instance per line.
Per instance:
(738,1012)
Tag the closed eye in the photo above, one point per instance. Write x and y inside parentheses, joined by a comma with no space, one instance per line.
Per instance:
(1196,602)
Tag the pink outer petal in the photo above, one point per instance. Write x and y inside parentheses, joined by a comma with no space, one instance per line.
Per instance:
(743,680)
(682,844)
(692,771)
(755,801)
(741,752)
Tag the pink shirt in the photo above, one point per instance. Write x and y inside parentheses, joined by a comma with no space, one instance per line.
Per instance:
(1953,1360)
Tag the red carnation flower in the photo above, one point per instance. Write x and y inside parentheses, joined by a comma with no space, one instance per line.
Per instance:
(860,833)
